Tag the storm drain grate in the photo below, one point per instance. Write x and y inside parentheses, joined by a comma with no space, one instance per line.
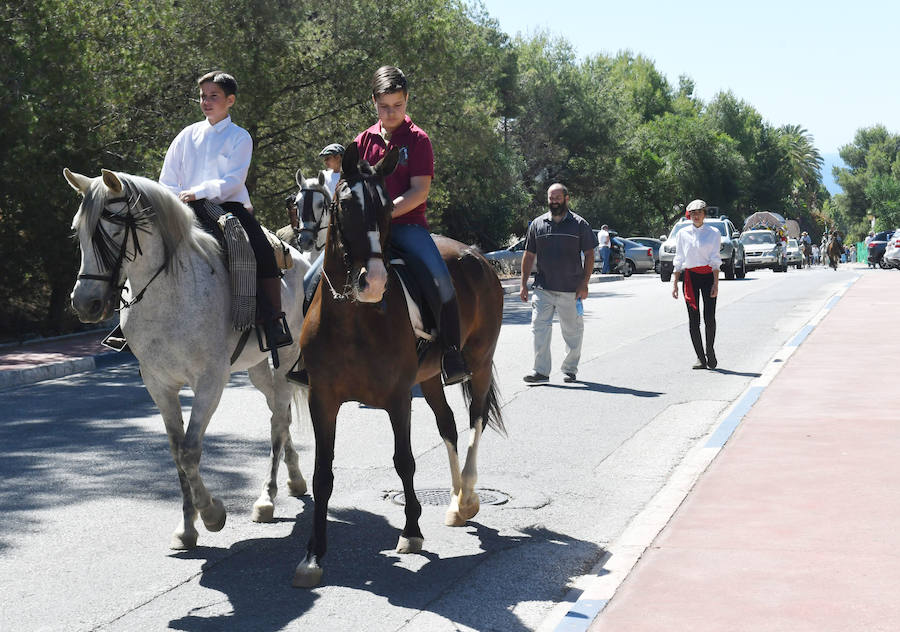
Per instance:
(441,497)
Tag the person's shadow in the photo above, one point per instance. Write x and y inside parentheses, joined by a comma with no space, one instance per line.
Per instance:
(605,388)
(255,575)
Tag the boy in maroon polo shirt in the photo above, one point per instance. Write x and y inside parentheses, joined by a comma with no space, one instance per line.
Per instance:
(408,186)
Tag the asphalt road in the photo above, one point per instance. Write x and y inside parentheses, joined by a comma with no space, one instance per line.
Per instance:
(89,495)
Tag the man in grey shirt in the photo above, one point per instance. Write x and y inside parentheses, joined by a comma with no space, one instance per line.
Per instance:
(556,241)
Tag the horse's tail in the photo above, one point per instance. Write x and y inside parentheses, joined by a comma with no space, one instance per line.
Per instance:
(492,414)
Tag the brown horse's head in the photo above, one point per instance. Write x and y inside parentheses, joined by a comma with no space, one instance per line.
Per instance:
(363,221)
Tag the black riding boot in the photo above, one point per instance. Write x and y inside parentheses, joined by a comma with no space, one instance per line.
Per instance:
(273,321)
(453,365)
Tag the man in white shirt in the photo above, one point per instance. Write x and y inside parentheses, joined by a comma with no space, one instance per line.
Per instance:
(604,241)
(209,160)
(697,261)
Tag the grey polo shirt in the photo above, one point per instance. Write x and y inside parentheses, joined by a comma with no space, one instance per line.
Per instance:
(558,247)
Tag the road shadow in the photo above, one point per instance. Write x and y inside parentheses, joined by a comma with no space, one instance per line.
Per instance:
(69,442)
(730,372)
(255,575)
(602,388)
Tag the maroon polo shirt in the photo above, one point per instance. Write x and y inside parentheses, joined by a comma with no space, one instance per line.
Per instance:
(416,159)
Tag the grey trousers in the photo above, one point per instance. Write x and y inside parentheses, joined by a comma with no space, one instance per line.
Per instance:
(544,304)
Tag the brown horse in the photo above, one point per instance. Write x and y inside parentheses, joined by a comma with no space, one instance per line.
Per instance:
(834,251)
(358,345)
(806,250)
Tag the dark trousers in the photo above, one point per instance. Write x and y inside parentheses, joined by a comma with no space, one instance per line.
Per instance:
(266,268)
(702,287)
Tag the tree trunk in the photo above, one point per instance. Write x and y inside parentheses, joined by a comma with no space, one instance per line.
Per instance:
(59,300)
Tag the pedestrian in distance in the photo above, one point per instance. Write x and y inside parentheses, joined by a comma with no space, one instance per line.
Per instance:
(605,243)
(332,155)
(209,160)
(556,242)
(697,262)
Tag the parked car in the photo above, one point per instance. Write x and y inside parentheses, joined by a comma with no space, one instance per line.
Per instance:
(794,256)
(731,249)
(655,244)
(616,254)
(509,260)
(892,251)
(877,246)
(638,257)
(764,250)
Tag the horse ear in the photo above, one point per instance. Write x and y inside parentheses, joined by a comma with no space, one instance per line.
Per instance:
(350,162)
(322,178)
(111,180)
(77,181)
(386,165)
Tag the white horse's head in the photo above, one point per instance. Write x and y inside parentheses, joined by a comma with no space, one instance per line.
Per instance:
(313,200)
(122,219)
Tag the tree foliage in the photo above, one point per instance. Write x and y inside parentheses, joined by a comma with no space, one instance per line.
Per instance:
(109,83)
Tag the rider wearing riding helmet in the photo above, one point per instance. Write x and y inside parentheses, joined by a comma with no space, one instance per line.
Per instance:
(332,155)
(408,187)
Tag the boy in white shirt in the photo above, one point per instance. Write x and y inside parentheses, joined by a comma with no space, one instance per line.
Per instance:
(209,160)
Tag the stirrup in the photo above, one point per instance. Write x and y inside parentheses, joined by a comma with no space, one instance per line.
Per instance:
(298,373)
(277,334)
(115,340)
(453,367)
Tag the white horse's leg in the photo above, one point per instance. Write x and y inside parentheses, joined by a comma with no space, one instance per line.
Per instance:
(166,398)
(277,392)
(207,394)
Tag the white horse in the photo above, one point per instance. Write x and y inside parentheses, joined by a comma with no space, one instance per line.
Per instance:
(314,212)
(135,233)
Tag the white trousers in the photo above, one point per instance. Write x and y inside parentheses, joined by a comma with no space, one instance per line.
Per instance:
(544,304)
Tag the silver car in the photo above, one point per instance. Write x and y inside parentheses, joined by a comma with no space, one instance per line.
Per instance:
(764,250)
(509,260)
(794,256)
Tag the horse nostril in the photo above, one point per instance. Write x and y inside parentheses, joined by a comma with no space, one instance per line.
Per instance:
(94,307)
(363,281)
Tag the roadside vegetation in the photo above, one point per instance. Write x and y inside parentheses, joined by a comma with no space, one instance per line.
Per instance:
(108,83)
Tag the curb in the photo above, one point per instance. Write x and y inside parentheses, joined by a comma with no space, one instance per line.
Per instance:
(12,378)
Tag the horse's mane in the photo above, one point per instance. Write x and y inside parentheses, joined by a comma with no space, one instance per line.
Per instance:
(175,222)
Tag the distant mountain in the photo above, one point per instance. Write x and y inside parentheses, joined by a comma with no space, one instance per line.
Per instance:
(831,160)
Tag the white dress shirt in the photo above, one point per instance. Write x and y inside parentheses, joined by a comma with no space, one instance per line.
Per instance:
(210,161)
(331,179)
(696,247)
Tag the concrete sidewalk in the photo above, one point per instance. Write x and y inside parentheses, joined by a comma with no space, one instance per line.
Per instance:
(794,525)
(49,358)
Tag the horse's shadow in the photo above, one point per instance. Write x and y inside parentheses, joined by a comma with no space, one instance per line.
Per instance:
(255,575)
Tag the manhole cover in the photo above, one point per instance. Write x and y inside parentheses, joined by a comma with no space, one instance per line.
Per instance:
(441,497)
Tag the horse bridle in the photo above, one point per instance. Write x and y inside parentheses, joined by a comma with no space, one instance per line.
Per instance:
(134,220)
(314,227)
(370,213)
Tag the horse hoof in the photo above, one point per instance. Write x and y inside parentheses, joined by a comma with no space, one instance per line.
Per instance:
(263,512)
(307,575)
(453,519)
(297,488)
(410,545)
(214,516)
(183,541)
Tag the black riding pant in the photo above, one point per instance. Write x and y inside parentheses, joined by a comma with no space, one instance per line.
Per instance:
(702,287)
(266,268)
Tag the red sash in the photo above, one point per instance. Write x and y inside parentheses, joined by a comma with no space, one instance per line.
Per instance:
(689,295)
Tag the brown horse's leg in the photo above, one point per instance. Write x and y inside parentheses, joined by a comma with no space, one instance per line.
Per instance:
(433,391)
(324,418)
(399,410)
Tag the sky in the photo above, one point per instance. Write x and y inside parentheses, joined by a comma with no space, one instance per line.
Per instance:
(831,67)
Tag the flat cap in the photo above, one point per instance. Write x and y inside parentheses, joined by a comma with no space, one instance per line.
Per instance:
(332,150)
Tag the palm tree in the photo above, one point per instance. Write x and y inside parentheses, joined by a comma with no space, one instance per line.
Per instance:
(804,164)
